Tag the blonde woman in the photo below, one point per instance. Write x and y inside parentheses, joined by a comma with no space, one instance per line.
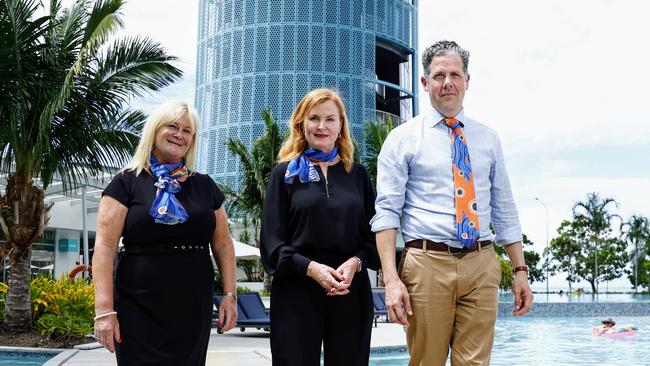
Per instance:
(316,240)
(157,310)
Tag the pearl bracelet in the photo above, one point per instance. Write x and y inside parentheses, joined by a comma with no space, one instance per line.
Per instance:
(106,314)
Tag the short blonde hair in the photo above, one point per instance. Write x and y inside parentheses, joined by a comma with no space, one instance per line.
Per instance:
(165,113)
(296,143)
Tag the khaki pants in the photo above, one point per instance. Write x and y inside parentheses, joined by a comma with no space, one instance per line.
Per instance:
(454,303)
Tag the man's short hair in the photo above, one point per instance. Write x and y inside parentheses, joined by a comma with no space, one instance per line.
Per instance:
(442,48)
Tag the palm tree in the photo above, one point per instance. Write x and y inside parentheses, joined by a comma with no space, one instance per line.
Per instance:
(595,211)
(65,83)
(256,166)
(375,134)
(637,232)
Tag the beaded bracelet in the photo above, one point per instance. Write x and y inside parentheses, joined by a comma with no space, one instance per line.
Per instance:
(106,314)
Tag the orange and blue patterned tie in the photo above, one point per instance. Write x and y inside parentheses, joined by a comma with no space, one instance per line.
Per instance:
(464,193)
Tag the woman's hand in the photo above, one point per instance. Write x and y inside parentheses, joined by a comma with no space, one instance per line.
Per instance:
(227,314)
(347,270)
(332,281)
(107,332)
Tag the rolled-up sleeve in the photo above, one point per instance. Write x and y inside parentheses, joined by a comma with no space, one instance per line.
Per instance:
(392,176)
(504,215)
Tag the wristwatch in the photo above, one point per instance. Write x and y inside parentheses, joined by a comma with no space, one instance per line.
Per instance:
(359,263)
(520,268)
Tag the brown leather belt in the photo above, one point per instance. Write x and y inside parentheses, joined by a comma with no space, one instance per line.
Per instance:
(442,247)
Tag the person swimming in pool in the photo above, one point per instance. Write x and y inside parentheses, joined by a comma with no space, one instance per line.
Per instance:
(607,326)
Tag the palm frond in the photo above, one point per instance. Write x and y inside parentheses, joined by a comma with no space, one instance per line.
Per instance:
(135,64)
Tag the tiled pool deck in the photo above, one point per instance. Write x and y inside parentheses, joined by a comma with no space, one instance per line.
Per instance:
(235,348)
(251,348)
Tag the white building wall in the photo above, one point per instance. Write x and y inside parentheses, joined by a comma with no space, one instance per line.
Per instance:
(68,215)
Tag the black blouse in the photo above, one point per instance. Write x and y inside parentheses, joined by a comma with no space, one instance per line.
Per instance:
(303,221)
(199,196)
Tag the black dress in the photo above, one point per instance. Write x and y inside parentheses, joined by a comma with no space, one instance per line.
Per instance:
(328,222)
(164,300)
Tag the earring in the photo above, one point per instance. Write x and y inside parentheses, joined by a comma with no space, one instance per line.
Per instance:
(339,135)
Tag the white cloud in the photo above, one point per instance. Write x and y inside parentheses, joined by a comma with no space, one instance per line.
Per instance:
(560,194)
(553,74)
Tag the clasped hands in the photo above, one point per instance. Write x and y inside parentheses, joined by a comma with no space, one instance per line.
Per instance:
(336,282)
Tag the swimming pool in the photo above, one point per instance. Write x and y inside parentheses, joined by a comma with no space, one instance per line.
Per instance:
(508,297)
(552,341)
(11,358)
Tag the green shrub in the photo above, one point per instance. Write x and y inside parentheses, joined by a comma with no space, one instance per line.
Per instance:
(244,290)
(218,286)
(3,293)
(63,309)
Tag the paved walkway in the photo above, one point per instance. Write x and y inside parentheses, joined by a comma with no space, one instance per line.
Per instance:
(235,348)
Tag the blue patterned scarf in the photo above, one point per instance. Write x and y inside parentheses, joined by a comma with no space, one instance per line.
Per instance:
(166,209)
(302,168)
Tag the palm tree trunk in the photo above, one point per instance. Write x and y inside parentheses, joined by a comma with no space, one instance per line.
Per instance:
(636,267)
(18,308)
(24,213)
(268,280)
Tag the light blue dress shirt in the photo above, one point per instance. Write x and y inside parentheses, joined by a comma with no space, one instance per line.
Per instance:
(415,182)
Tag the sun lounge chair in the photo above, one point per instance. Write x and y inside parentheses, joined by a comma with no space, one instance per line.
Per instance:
(250,312)
(379,302)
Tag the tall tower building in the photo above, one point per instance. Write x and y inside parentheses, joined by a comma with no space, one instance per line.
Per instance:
(254,54)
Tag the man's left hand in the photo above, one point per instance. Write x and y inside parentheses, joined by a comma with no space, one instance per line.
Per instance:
(523,294)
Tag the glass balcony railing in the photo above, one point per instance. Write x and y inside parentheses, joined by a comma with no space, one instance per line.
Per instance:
(383,118)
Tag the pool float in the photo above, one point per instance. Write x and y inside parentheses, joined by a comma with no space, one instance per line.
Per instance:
(79,268)
(620,331)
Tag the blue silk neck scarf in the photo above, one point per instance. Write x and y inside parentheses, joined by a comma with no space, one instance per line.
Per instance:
(166,209)
(302,168)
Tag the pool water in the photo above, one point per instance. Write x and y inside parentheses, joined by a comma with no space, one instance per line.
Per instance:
(508,297)
(554,341)
(24,358)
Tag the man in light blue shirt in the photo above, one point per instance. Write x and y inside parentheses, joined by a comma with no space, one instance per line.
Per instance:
(446,293)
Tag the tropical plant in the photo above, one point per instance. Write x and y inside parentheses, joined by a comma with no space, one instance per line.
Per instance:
(252,267)
(594,212)
(535,273)
(3,293)
(65,88)
(375,133)
(532,259)
(256,166)
(572,252)
(507,276)
(636,231)
(63,309)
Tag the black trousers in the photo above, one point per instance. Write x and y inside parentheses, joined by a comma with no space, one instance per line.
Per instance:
(303,318)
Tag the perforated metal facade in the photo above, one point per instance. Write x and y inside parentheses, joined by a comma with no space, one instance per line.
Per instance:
(268,53)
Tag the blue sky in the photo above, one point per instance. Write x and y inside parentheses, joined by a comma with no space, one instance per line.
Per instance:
(564,83)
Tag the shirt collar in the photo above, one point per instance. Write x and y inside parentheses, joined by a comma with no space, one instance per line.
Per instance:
(433,115)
